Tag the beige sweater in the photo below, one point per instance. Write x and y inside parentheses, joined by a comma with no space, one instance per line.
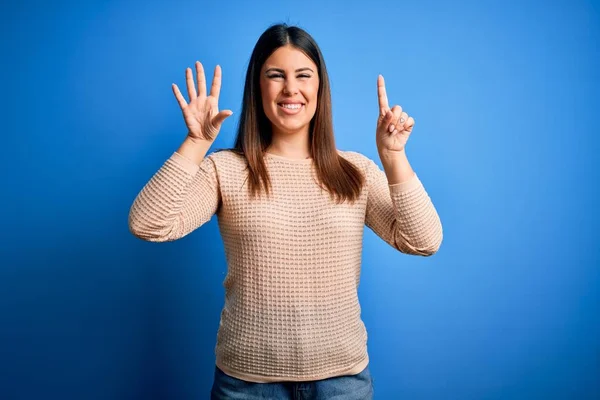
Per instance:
(291,309)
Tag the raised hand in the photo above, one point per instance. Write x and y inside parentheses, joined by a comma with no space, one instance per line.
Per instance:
(393,125)
(201,114)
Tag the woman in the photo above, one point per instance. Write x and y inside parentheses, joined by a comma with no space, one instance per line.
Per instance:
(291,210)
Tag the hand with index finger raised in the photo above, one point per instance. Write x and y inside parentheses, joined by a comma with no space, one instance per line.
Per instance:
(393,125)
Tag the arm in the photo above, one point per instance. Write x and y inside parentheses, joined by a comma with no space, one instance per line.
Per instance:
(178,199)
(184,193)
(401,212)
(399,209)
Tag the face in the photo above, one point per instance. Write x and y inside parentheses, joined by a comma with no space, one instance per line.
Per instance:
(289,85)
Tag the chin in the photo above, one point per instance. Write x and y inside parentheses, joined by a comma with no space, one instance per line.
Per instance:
(291,129)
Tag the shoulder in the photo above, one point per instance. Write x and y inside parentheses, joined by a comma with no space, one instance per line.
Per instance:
(227,159)
(358,159)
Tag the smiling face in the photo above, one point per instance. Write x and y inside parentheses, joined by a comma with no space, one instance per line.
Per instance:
(289,86)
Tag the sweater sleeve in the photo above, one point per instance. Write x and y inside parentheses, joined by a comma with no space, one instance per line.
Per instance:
(179,198)
(402,214)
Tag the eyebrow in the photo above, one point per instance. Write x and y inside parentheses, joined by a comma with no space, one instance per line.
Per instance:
(282,71)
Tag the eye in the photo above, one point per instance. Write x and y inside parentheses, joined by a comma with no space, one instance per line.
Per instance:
(272,76)
(304,76)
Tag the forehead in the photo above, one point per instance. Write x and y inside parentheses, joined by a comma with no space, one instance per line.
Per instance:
(289,57)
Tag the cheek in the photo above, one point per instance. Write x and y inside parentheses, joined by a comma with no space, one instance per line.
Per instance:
(266,94)
(269,92)
(313,91)
(313,94)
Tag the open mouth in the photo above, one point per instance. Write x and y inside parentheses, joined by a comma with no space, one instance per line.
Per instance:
(291,108)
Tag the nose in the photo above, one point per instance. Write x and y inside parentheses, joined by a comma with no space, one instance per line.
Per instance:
(290,88)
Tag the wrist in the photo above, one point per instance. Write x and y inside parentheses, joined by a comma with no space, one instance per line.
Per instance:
(391,155)
(194,149)
(396,166)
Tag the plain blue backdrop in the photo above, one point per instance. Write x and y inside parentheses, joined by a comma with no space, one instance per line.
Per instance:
(505,95)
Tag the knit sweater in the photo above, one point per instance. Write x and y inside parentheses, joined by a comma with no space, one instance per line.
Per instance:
(291,309)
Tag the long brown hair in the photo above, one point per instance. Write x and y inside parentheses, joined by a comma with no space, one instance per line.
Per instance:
(338,176)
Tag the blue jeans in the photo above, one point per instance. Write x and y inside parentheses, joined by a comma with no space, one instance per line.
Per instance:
(347,387)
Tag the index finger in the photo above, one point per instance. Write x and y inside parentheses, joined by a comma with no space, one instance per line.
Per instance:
(382,95)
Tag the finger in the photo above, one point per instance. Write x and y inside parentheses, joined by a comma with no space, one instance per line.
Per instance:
(397,113)
(178,96)
(215,89)
(189,79)
(201,79)
(402,121)
(386,120)
(409,124)
(382,96)
(220,117)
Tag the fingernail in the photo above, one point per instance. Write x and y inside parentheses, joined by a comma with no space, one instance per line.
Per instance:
(391,128)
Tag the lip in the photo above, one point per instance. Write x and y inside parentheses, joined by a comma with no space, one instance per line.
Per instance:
(289,101)
(288,110)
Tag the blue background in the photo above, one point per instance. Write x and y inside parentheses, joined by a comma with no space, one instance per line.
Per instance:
(505,95)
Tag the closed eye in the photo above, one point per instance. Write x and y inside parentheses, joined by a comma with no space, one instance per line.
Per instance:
(273,76)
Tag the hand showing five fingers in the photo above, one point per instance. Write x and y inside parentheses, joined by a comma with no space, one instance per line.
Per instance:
(201,114)
(393,125)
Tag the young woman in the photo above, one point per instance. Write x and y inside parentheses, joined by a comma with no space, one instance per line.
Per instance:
(291,209)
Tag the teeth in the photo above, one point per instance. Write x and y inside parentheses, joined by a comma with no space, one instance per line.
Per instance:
(292,106)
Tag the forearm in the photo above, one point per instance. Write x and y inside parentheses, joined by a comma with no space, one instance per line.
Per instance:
(396,166)
(158,208)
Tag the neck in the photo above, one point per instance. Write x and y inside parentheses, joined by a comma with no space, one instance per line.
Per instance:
(290,145)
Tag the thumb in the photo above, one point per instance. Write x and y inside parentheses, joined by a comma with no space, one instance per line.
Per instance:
(384,121)
(220,117)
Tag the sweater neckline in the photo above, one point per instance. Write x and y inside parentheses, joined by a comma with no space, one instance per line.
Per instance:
(289,160)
